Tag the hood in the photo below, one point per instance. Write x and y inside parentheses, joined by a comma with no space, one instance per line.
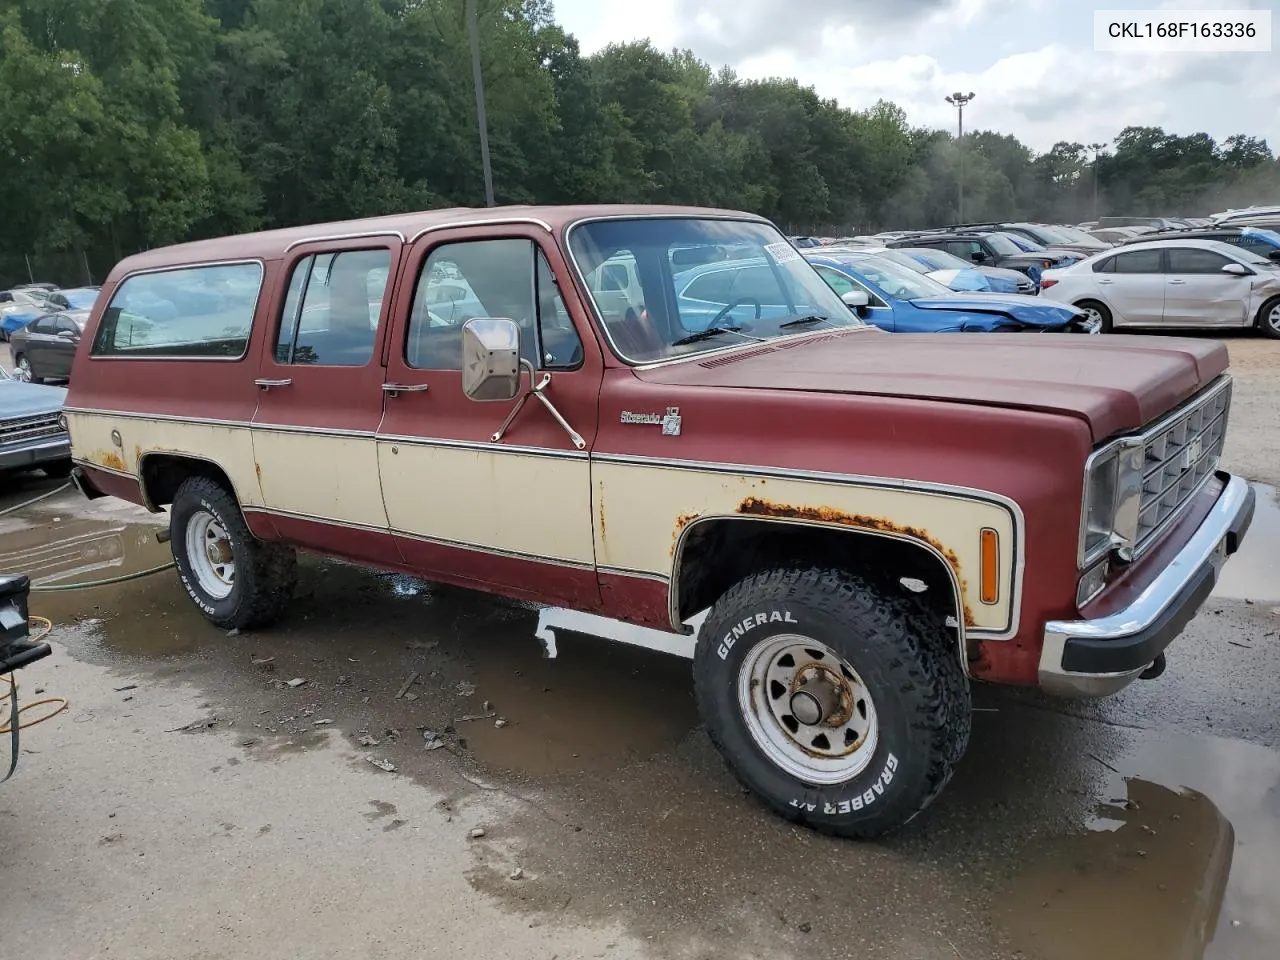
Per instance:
(1028,309)
(18,399)
(1112,383)
(1002,273)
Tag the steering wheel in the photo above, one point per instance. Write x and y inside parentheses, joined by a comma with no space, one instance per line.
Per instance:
(729,307)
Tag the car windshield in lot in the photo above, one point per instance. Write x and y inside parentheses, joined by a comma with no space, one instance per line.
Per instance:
(936,259)
(1003,245)
(897,281)
(667,287)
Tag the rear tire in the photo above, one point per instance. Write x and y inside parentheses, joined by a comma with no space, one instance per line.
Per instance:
(893,704)
(1095,309)
(236,580)
(23,367)
(1268,321)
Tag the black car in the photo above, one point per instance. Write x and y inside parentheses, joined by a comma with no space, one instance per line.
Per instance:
(1264,241)
(987,249)
(44,348)
(1060,238)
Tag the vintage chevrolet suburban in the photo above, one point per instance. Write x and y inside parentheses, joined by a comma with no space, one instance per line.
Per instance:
(536,402)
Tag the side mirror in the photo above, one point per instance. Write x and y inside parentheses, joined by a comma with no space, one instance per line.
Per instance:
(68,335)
(1237,270)
(855,299)
(1274,255)
(490,358)
(978,256)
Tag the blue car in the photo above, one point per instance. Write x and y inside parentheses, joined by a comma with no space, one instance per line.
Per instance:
(903,301)
(998,279)
(17,309)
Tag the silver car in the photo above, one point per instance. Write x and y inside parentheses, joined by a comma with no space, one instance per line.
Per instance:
(1192,284)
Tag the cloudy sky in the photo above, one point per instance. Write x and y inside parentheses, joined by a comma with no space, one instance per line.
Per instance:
(1030,62)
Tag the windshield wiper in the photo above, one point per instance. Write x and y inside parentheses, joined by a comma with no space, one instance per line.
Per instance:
(710,332)
(806,321)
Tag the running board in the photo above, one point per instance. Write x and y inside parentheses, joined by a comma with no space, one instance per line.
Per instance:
(551,619)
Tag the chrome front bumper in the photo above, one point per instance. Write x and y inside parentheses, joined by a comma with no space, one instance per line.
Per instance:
(34,453)
(1095,658)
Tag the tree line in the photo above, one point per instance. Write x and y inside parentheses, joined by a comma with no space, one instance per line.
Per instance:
(128,124)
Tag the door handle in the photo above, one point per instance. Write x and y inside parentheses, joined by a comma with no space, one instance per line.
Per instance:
(394,389)
(1177,281)
(268,384)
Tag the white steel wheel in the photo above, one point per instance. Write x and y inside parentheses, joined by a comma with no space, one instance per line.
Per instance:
(23,370)
(1272,319)
(210,555)
(807,709)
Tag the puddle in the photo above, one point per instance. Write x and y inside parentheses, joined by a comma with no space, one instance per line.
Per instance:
(1252,573)
(1179,862)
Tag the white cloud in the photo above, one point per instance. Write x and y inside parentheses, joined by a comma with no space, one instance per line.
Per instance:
(1030,62)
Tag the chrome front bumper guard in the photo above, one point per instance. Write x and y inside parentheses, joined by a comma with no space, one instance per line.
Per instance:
(1095,658)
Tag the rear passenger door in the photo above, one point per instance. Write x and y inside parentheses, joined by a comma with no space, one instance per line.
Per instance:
(1133,286)
(320,397)
(514,514)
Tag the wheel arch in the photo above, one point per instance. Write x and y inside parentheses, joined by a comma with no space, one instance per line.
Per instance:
(715,551)
(160,475)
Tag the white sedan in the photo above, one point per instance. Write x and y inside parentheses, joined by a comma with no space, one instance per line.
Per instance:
(1202,284)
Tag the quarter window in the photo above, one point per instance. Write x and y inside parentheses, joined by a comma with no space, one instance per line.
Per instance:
(331,310)
(194,312)
(507,278)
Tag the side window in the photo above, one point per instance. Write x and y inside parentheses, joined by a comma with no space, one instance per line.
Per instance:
(190,312)
(1138,261)
(65,325)
(41,325)
(614,276)
(561,345)
(1253,245)
(965,249)
(836,281)
(758,285)
(1105,266)
(497,278)
(330,315)
(711,287)
(1194,260)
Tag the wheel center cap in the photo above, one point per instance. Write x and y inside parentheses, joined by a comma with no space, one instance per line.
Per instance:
(218,552)
(806,708)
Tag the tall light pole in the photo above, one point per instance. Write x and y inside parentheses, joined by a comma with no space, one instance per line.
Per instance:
(1095,147)
(959,101)
(474,27)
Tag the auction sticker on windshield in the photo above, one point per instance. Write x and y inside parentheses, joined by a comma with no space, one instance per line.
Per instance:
(782,252)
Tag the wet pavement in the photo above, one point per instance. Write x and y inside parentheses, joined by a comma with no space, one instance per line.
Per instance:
(192,803)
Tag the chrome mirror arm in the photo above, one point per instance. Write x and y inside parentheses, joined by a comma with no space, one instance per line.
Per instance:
(536,388)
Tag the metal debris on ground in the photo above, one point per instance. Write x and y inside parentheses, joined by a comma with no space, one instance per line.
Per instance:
(411,696)
(295,682)
(487,705)
(321,723)
(499,723)
(386,765)
(466,688)
(516,874)
(367,741)
(249,742)
(194,725)
(477,833)
(475,716)
(432,740)
(404,687)
(131,686)
(262,661)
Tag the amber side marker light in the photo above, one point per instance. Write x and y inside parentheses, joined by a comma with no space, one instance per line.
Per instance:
(990,566)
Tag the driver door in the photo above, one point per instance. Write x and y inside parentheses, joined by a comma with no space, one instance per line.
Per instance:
(512,515)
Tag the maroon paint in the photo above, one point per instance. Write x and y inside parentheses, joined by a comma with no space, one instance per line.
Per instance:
(860,403)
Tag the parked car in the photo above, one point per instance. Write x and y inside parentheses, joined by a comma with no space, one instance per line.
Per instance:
(1061,256)
(1114,235)
(18,307)
(1245,213)
(984,249)
(1263,242)
(1045,236)
(867,522)
(32,435)
(900,300)
(803,242)
(1173,283)
(965,279)
(77,298)
(44,348)
(1150,223)
(999,280)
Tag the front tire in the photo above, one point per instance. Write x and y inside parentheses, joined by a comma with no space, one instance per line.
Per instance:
(1269,319)
(840,703)
(23,368)
(236,580)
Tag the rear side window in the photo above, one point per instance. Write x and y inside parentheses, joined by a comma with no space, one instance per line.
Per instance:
(331,310)
(193,312)
(1138,261)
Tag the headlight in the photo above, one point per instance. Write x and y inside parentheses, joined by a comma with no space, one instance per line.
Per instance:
(1113,488)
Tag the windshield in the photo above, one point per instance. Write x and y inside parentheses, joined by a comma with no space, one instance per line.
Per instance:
(1079,237)
(937,259)
(667,287)
(898,281)
(1007,246)
(1047,235)
(902,259)
(80,299)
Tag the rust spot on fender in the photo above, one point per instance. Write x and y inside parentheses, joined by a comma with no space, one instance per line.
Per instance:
(682,521)
(257,469)
(137,453)
(109,459)
(600,511)
(756,507)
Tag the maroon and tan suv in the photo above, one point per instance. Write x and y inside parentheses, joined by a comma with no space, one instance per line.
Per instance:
(528,401)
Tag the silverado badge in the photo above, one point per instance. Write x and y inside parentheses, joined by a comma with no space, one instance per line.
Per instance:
(670,421)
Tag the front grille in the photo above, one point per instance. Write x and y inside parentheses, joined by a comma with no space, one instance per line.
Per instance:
(1179,453)
(25,429)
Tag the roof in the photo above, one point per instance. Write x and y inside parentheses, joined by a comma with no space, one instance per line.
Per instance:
(272,244)
(1215,245)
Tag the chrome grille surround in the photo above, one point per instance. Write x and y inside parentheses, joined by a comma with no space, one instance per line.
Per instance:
(24,429)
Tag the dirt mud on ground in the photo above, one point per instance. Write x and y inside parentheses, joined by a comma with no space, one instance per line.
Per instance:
(192,803)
